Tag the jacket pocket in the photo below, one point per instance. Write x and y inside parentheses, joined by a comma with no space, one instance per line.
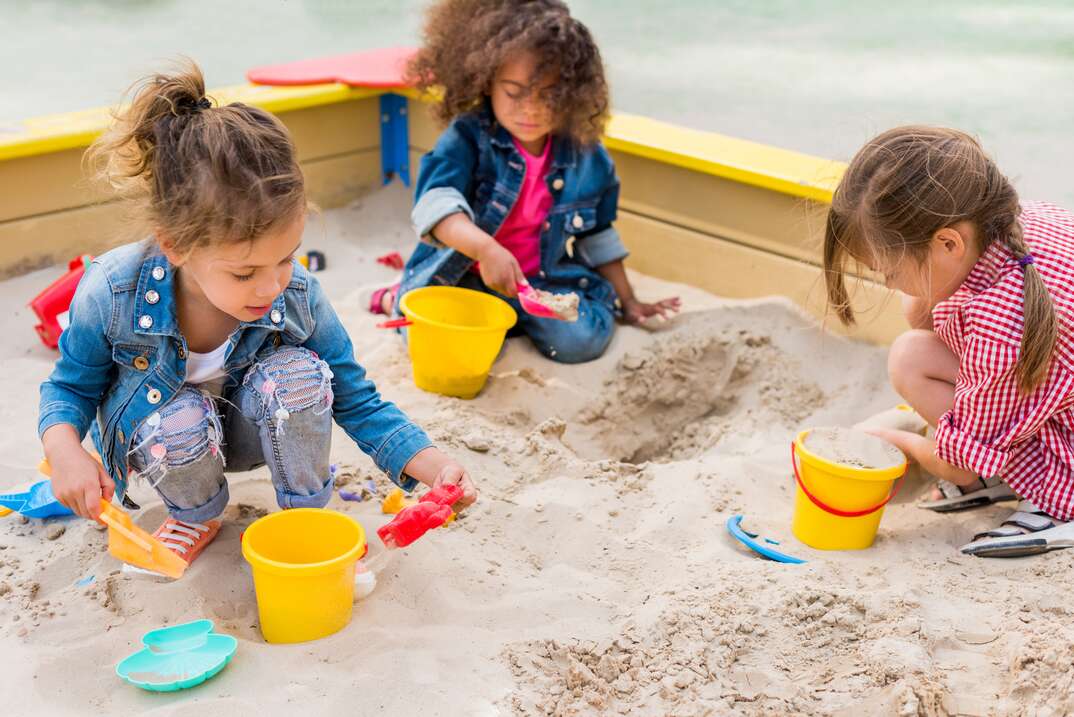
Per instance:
(579,221)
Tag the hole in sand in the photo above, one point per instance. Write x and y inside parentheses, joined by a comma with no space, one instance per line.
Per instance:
(680,395)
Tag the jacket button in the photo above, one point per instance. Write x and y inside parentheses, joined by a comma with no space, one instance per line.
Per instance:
(141,363)
(577,222)
(276,316)
(546,226)
(152,297)
(557,183)
(146,321)
(158,272)
(583,282)
(182,352)
(153,396)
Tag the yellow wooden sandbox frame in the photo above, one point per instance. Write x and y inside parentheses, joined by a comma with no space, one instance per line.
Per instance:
(736,218)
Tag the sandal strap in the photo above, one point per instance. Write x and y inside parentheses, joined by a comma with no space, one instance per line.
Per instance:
(1033,522)
(950,490)
(1020,523)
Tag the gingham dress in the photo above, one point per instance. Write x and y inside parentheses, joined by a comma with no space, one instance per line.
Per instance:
(993,429)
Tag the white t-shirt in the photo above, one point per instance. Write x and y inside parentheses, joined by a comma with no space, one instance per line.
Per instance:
(205,368)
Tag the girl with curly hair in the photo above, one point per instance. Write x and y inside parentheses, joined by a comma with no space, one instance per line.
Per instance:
(519,189)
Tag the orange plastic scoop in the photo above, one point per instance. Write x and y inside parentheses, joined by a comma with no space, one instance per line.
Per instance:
(131,544)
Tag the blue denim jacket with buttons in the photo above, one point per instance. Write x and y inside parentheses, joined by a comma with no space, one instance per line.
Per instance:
(122,357)
(476,169)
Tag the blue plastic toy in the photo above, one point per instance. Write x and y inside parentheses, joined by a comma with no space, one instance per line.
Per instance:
(749,540)
(178,657)
(37,501)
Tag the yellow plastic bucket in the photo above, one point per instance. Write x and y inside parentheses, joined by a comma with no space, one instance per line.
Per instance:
(836,506)
(303,565)
(455,334)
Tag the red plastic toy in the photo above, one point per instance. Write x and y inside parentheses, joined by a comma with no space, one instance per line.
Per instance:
(432,511)
(370,68)
(52,304)
(392,260)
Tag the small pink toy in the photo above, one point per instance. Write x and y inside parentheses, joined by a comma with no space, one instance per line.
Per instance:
(432,511)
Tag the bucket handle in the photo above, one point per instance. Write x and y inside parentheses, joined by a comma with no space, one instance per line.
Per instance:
(395,324)
(835,511)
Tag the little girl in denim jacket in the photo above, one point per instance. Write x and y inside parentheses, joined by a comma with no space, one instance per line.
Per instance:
(519,188)
(208,346)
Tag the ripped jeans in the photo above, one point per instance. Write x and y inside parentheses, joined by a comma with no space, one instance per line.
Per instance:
(281,414)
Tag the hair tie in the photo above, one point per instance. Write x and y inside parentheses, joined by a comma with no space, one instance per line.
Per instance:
(189,106)
(1027,260)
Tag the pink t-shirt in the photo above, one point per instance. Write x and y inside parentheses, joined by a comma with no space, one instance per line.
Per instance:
(520,233)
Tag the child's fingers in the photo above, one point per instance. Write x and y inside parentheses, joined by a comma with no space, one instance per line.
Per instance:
(469,491)
(90,501)
(454,474)
(108,486)
(512,279)
(70,501)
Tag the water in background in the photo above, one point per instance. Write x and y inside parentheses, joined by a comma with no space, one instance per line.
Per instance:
(818,76)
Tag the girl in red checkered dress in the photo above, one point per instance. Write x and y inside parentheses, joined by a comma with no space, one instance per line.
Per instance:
(988,289)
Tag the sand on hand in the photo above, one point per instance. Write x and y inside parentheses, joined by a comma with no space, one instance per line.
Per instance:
(851,447)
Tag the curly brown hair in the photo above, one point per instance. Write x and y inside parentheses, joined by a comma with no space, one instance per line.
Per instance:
(466,41)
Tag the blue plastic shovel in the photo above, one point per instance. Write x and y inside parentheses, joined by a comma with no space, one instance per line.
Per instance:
(37,501)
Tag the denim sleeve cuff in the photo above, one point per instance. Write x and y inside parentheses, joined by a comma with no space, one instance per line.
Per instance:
(434,205)
(61,412)
(601,248)
(960,449)
(396,452)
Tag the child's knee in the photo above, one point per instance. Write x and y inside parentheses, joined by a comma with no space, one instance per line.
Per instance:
(181,432)
(578,342)
(905,356)
(291,379)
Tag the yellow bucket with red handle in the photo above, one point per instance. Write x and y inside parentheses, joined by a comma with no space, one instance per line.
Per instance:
(838,506)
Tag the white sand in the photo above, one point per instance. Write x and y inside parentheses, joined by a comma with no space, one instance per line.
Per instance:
(595,575)
(854,448)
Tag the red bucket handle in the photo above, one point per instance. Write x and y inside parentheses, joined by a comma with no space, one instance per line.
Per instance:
(395,324)
(835,511)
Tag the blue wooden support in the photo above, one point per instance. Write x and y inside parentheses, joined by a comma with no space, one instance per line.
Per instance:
(394,138)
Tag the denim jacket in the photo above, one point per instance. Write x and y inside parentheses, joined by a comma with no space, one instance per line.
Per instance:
(476,169)
(122,357)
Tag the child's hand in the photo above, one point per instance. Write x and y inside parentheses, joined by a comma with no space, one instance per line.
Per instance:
(499,269)
(454,474)
(435,468)
(635,312)
(78,480)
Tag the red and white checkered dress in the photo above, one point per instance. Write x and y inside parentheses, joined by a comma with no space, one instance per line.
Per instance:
(993,429)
